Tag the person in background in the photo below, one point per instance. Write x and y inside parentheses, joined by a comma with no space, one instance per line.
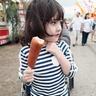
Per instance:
(86,28)
(66,34)
(76,26)
(44,19)
(93,35)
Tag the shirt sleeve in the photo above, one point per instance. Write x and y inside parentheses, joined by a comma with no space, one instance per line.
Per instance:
(68,54)
(23,58)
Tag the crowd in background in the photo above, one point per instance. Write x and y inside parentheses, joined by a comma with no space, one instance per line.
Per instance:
(81,26)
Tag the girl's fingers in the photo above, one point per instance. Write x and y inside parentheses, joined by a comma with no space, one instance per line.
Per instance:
(29,71)
(28,78)
(28,75)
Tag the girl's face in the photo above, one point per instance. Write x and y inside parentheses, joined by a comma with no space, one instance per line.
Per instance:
(53,29)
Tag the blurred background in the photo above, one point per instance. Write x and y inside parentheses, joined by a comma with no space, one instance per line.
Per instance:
(12,14)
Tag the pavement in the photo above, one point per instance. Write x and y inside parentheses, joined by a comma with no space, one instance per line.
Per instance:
(92,46)
(85,79)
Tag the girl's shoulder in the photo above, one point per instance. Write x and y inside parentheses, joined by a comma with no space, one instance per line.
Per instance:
(24,49)
(64,47)
(62,43)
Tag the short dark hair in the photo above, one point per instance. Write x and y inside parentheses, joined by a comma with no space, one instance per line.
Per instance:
(86,15)
(39,13)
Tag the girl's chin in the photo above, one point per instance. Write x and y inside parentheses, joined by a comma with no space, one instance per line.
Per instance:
(52,39)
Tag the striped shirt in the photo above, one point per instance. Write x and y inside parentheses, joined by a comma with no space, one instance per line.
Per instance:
(49,79)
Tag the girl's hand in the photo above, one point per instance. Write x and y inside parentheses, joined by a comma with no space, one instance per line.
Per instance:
(28,75)
(52,47)
(65,64)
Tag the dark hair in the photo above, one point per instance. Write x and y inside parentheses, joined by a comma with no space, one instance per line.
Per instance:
(86,15)
(39,13)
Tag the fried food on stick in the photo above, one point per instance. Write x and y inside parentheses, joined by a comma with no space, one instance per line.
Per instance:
(35,47)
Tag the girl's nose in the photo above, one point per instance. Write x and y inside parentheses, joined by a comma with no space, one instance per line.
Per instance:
(59,28)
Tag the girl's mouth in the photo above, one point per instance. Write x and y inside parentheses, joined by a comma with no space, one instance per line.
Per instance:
(55,35)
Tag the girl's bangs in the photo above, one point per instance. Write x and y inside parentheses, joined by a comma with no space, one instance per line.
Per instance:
(59,14)
(54,10)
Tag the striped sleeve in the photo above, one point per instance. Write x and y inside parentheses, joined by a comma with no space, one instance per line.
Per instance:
(23,57)
(68,54)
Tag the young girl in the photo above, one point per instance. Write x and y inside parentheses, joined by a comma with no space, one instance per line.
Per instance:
(44,19)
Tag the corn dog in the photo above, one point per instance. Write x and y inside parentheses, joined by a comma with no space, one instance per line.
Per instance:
(35,47)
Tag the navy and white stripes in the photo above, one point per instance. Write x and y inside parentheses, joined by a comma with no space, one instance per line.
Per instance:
(49,78)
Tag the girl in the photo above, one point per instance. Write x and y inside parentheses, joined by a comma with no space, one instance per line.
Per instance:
(44,19)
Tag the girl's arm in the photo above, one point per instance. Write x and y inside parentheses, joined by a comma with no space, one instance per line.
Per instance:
(65,64)
(66,61)
(26,74)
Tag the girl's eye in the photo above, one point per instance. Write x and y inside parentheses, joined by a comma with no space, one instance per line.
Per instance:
(53,22)
(56,21)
